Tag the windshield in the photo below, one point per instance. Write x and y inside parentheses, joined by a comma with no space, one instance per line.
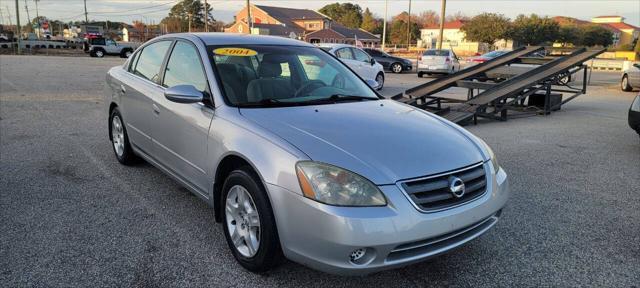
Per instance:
(436,53)
(268,76)
(494,54)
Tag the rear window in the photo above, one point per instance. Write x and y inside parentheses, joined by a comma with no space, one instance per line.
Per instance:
(436,53)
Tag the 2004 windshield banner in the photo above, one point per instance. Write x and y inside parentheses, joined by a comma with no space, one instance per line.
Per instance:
(234,51)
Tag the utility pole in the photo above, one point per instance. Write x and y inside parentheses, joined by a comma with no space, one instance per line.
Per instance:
(37,20)
(409,27)
(189,22)
(86,15)
(206,17)
(384,25)
(26,7)
(442,11)
(19,33)
(249,20)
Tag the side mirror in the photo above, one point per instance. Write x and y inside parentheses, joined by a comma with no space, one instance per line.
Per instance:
(183,94)
(372,61)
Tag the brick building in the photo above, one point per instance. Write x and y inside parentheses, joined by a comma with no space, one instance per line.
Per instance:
(303,24)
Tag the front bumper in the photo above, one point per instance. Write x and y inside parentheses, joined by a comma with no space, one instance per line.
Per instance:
(323,237)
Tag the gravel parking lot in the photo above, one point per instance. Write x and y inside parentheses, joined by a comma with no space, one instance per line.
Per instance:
(73,216)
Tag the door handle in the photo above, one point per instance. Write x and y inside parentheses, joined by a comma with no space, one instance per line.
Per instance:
(156,110)
(122,89)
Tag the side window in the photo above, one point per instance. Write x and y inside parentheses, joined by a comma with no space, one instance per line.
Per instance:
(360,55)
(150,59)
(345,53)
(132,62)
(185,67)
(110,42)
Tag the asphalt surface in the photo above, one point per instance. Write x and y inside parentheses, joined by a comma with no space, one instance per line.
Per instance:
(71,216)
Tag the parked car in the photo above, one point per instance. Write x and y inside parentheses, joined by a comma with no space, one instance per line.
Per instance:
(630,78)
(488,56)
(634,114)
(99,47)
(388,62)
(359,61)
(435,61)
(291,149)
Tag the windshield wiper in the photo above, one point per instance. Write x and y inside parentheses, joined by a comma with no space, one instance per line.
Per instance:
(264,103)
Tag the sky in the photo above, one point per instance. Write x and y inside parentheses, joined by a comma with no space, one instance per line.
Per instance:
(154,10)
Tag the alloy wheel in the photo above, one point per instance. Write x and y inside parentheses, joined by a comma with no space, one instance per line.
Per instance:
(380,80)
(243,221)
(397,68)
(117,135)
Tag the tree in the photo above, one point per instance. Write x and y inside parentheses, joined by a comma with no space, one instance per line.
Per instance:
(596,35)
(398,33)
(569,34)
(427,18)
(369,22)
(457,16)
(486,28)
(184,10)
(533,30)
(347,14)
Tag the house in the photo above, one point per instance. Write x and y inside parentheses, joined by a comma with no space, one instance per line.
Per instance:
(303,24)
(623,33)
(139,34)
(454,38)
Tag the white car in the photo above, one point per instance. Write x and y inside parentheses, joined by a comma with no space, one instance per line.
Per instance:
(359,61)
(434,61)
(630,78)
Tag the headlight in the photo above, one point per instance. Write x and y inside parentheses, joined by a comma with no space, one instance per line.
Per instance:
(492,155)
(335,186)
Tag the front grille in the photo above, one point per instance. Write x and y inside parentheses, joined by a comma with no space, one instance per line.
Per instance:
(432,193)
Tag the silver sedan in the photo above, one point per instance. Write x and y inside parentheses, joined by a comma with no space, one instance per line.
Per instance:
(298,156)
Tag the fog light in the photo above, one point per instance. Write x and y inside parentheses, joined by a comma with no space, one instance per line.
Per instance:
(362,256)
(357,254)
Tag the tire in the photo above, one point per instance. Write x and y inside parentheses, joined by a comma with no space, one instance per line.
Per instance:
(420,74)
(126,53)
(624,83)
(120,139)
(380,80)
(98,53)
(396,68)
(268,254)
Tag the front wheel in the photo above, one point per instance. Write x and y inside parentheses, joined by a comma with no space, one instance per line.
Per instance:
(380,80)
(396,68)
(249,224)
(120,139)
(624,83)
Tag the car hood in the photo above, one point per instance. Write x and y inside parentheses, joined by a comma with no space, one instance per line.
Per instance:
(384,141)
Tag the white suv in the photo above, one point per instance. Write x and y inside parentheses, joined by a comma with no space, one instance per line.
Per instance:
(359,61)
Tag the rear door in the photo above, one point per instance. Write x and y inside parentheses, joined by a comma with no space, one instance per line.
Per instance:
(180,130)
(634,75)
(139,90)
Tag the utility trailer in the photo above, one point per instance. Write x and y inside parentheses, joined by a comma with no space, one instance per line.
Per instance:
(547,87)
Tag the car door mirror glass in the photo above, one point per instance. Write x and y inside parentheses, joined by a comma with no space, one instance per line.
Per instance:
(372,61)
(184,94)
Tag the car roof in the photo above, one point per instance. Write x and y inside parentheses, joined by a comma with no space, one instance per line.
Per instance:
(221,38)
(334,45)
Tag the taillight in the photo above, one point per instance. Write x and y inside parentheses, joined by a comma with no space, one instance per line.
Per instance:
(420,58)
(447,59)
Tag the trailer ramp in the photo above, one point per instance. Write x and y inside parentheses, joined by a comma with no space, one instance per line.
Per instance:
(496,98)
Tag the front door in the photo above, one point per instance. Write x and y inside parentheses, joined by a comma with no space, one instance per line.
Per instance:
(180,131)
(368,71)
(139,90)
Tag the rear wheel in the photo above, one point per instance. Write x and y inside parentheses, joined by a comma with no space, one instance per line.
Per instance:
(98,53)
(126,53)
(396,68)
(249,224)
(624,83)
